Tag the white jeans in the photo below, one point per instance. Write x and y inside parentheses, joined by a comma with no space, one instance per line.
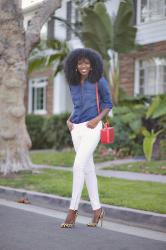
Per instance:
(85,141)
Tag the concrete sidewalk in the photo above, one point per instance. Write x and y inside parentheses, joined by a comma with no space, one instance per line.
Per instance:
(132,176)
(118,162)
(113,173)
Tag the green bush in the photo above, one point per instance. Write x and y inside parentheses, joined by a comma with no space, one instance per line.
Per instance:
(35,125)
(162,147)
(56,132)
(131,117)
(128,140)
(127,121)
(48,132)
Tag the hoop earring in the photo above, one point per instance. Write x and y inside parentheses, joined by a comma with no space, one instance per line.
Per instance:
(76,70)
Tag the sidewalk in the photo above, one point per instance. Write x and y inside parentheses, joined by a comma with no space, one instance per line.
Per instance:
(114,173)
(118,162)
(132,176)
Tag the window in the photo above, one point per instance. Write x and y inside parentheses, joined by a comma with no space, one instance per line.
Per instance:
(151,10)
(151,78)
(37,96)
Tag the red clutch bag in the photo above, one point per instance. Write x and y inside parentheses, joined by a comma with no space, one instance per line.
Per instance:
(107,132)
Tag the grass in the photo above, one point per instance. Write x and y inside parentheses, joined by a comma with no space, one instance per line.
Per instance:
(152,167)
(64,158)
(53,158)
(143,195)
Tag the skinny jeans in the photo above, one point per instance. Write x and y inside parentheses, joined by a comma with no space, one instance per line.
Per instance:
(85,141)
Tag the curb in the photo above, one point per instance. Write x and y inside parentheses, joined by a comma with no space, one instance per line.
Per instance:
(133,217)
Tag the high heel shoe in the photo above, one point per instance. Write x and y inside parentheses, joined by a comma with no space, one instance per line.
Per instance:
(100,218)
(71,224)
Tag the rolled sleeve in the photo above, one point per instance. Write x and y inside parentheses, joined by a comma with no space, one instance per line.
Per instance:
(105,95)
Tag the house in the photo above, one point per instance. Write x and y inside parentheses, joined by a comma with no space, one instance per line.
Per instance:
(144,71)
(141,72)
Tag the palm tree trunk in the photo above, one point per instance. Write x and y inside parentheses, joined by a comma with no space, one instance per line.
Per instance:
(14,139)
(15,46)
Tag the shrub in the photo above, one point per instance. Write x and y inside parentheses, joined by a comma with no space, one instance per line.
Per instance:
(162,152)
(49,132)
(35,125)
(56,132)
(127,122)
(135,115)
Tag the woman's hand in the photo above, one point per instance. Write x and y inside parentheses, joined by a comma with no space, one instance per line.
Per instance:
(93,123)
(70,125)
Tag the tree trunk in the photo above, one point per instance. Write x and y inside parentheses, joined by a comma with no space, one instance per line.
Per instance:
(15,47)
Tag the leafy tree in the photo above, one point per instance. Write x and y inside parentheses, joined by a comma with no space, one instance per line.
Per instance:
(48,54)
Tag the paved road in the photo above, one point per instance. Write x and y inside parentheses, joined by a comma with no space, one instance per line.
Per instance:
(23,227)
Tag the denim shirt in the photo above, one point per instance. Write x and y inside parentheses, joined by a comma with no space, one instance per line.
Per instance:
(84,100)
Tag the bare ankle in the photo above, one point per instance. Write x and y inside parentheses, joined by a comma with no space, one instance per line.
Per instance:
(72,211)
(71,216)
(97,210)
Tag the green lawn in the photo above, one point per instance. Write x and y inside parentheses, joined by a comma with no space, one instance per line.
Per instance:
(64,158)
(152,167)
(53,158)
(148,196)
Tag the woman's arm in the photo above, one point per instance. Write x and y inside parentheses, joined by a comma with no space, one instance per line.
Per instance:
(93,123)
(106,103)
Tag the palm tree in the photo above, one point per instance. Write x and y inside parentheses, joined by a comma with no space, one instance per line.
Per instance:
(49,53)
(108,36)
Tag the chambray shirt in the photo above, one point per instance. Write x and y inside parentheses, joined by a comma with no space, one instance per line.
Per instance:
(84,100)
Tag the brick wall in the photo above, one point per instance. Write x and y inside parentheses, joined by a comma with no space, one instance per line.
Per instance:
(49,90)
(127,63)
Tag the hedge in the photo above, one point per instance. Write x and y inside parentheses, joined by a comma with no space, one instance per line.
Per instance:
(48,132)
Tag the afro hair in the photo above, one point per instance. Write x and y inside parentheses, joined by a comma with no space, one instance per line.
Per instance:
(73,76)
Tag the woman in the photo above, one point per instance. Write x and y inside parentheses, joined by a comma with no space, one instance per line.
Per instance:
(84,69)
